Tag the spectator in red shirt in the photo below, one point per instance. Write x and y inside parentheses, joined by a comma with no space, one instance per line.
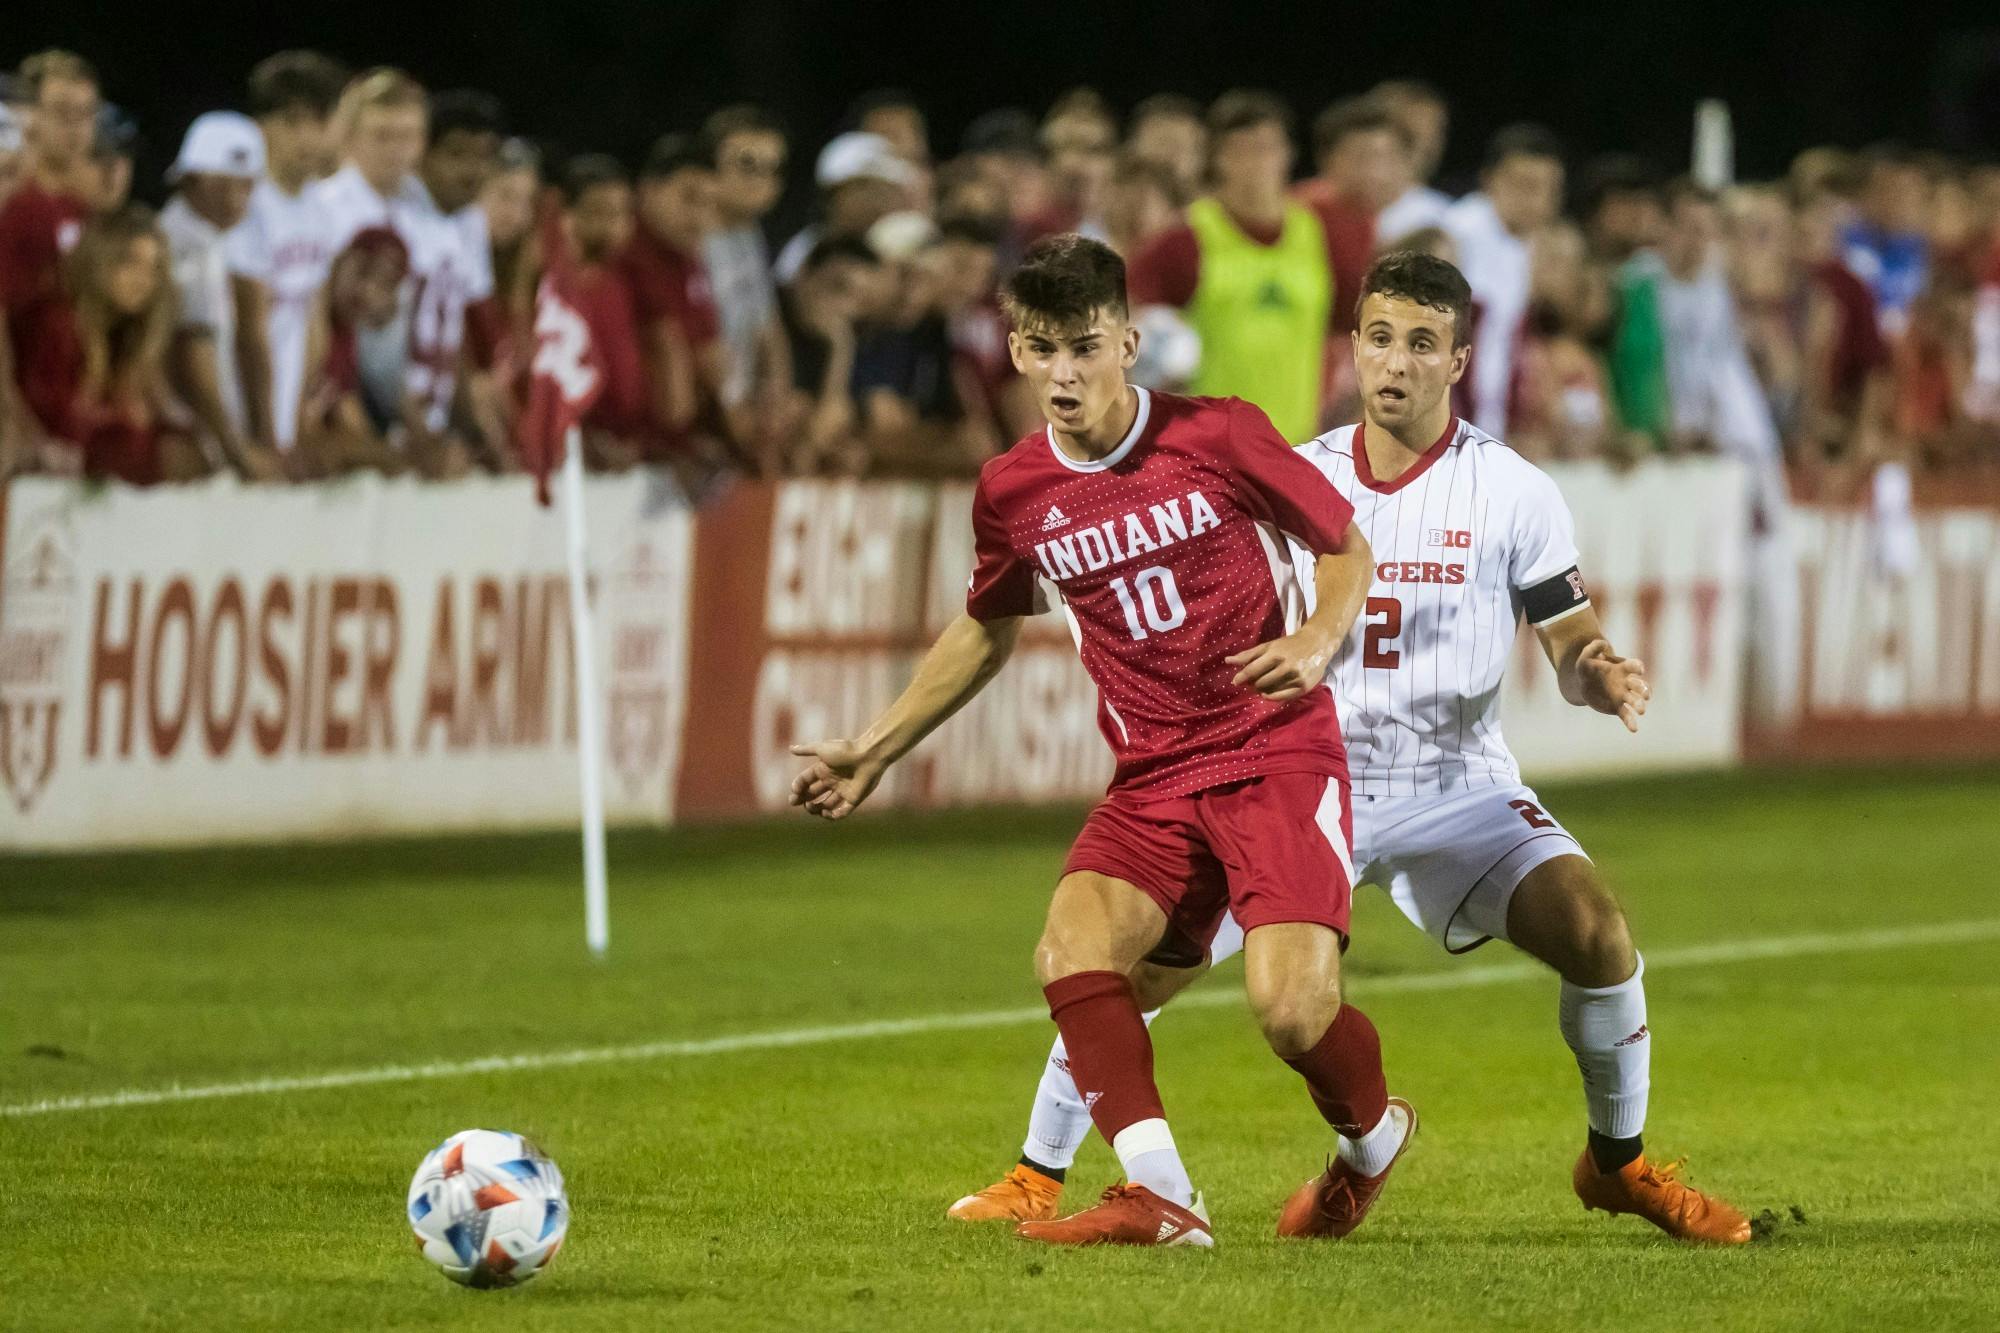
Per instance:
(363,293)
(92,371)
(597,227)
(1364,162)
(43,217)
(679,326)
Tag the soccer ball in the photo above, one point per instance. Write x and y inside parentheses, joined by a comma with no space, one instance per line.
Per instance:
(488,1208)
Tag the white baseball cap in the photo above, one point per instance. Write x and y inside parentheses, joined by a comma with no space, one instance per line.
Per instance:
(221,143)
(859,155)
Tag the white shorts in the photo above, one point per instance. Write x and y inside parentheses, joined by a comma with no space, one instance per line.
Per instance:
(1450,863)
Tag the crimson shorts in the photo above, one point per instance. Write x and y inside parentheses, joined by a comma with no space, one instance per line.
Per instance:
(1268,850)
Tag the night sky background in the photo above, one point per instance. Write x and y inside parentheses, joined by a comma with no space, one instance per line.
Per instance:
(611,74)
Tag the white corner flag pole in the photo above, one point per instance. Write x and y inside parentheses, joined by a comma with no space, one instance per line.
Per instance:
(589,725)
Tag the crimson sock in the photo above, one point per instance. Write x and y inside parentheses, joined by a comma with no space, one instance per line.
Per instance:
(1343,1072)
(1110,1053)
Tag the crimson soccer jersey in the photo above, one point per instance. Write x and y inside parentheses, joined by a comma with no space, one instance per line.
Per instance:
(1169,554)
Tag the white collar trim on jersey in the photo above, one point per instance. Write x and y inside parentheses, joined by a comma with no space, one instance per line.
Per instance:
(1116,456)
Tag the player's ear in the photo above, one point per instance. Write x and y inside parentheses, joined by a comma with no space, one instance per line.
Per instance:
(1461,353)
(1016,352)
(1128,346)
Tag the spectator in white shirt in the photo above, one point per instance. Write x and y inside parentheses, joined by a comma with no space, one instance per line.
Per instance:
(381,123)
(220,162)
(1520,192)
(749,144)
(279,255)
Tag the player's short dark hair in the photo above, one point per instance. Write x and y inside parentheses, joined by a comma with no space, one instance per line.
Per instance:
(1063,281)
(1245,108)
(1353,115)
(1425,279)
(674,153)
(466,111)
(742,118)
(586,171)
(296,81)
(1523,138)
(830,248)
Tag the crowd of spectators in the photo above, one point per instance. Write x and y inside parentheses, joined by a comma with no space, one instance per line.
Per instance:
(344,276)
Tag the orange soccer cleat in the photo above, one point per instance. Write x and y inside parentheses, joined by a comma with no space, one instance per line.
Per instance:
(1022,1195)
(1653,1193)
(1333,1203)
(1126,1215)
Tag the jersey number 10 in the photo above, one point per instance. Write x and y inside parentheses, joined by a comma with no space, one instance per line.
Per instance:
(1152,593)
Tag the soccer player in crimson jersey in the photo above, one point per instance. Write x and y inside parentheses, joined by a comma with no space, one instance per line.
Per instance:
(1468,537)
(1176,534)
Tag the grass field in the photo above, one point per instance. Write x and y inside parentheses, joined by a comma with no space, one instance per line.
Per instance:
(1843,1081)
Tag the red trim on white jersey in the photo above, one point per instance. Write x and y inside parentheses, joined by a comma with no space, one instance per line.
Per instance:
(1364,472)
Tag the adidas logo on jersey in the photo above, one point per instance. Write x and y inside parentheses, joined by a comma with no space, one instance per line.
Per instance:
(1055,519)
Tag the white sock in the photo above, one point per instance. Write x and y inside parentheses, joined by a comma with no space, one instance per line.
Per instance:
(1606,1027)
(1146,1151)
(1374,1152)
(1059,1122)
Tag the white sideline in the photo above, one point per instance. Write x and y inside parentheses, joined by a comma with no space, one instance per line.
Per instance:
(1457,978)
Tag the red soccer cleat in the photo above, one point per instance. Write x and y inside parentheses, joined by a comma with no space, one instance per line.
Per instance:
(1126,1215)
(1333,1203)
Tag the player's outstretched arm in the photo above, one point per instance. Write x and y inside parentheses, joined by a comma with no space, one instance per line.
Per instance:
(1286,668)
(1590,674)
(842,772)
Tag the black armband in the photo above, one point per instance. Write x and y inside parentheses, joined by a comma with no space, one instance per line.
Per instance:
(1553,598)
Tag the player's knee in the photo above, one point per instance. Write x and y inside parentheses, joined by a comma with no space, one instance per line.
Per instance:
(1600,942)
(1061,954)
(1293,1021)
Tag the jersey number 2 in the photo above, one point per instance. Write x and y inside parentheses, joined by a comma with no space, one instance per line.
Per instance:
(1154,594)
(1375,637)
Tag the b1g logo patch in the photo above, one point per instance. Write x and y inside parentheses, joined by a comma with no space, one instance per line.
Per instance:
(1456,539)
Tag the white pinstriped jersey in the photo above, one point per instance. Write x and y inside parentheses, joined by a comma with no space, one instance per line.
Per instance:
(1463,540)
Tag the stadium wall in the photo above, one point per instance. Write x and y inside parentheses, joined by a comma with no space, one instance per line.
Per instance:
(215,662)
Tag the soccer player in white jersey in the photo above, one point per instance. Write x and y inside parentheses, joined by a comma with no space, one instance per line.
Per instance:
(1467,535)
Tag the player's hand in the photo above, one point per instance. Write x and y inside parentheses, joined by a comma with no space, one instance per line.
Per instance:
(1283,669)
(837,781)
(1614,684)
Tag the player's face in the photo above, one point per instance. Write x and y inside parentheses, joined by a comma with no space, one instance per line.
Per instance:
(1078,374)
(1405,359)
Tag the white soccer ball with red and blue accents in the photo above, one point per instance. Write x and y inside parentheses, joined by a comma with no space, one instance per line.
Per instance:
(488,1208)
